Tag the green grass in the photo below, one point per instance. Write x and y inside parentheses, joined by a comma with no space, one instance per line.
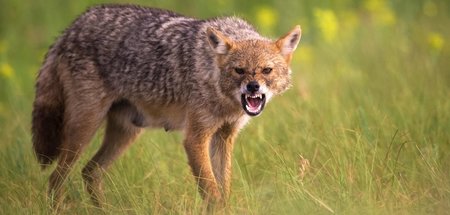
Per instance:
(369,109)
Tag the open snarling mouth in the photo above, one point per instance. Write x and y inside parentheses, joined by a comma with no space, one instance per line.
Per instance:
(253,103)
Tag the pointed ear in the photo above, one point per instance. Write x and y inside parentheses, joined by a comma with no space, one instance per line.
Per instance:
(288,43)
(219,42)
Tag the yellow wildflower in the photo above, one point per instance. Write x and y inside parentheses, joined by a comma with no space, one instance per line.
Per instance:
(327,23)
(435,41)
(266,18)
(6,70)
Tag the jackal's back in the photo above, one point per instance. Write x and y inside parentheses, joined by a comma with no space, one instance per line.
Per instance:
(146,53)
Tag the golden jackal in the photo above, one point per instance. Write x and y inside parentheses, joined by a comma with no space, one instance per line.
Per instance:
(142,67)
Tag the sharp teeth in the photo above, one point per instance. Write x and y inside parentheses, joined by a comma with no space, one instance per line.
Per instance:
(253,96)
(251,109)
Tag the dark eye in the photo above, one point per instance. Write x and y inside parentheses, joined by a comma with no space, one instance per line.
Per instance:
(267,70)
(239,71)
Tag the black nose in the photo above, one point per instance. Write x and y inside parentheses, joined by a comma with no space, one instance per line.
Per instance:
(252,86)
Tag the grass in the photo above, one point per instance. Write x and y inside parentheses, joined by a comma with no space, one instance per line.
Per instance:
(369,111)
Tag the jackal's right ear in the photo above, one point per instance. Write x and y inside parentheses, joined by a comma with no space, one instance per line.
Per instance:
(219,42)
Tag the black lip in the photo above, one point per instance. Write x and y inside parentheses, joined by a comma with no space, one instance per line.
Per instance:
(244,103)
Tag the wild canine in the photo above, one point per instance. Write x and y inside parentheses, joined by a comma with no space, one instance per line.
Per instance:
(142,67)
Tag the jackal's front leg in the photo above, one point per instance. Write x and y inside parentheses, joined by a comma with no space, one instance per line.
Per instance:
(221,148)
(196,144)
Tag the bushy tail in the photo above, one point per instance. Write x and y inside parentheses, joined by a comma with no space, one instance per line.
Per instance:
(48,112)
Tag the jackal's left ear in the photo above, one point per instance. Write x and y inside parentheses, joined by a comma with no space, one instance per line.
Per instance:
(219,42)
(288,43)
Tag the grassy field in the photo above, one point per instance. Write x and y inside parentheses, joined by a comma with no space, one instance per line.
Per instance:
(365,129)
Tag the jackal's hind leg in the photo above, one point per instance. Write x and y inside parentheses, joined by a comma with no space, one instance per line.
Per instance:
(80,124)
(120,133)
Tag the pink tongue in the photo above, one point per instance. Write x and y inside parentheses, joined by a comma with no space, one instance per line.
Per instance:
(253,102)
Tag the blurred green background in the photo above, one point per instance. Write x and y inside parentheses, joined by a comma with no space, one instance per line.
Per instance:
(365,129)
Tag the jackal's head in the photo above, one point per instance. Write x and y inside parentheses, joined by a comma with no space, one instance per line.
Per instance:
(252,71)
